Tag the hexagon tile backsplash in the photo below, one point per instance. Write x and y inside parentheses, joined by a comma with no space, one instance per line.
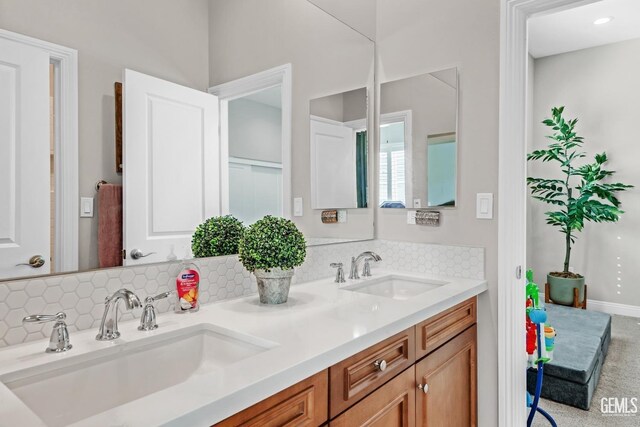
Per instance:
(81,295)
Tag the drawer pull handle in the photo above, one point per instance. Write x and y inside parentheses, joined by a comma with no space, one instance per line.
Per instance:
(380,365)
(424,388)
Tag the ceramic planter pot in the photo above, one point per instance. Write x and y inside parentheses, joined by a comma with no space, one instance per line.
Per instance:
(561,289)
(273,286)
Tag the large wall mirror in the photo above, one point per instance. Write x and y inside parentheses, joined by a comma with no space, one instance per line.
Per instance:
(188,152)
(418,141)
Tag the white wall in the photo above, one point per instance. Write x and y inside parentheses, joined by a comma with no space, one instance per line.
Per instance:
(601,87)
(255,131)
(327,57)
(418,36)
(358,14)
(164,38)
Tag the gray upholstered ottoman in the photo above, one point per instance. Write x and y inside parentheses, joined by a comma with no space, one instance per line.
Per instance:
(581,347)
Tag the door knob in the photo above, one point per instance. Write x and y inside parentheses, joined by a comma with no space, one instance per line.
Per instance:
(35,261)
(424,388)
(380,365)
(136,254)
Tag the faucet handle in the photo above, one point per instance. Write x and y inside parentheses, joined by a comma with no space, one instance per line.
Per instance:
(339,272)
(59,340)
(148,320)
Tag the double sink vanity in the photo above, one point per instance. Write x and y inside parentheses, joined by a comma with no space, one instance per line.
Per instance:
(398,347)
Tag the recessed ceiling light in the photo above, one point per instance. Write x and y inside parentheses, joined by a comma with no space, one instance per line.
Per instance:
(604,20)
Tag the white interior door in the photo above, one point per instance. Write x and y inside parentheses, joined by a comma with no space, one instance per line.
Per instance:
(24,159)
(171,171)
(333,166)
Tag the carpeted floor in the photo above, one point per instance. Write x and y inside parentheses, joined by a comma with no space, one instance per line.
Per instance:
(620,378)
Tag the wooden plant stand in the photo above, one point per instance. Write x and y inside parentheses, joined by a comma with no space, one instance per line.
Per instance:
(576,297)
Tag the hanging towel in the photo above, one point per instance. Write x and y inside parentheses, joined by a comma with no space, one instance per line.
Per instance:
(110,225)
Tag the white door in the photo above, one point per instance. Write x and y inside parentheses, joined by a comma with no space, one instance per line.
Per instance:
(24,159)
(333,166)
(171,171)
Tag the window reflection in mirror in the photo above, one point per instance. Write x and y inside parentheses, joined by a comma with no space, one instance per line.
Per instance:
(418,141)
(255,155)
(338,138)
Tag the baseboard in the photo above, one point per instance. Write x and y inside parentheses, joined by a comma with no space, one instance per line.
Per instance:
(610,307)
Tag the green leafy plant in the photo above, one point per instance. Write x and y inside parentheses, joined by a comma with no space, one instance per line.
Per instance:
(272,242)
(219,235)
(581,195)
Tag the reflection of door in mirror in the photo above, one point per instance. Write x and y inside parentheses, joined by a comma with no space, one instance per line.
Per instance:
(255,155)
(339,150)
(394,178)
(441,169)
(32,186)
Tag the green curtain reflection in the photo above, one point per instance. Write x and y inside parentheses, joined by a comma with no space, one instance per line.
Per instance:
(361,168)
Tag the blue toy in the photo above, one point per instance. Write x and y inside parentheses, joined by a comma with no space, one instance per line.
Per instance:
(536,317)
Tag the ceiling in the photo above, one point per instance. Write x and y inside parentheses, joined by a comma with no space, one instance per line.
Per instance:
(573,29)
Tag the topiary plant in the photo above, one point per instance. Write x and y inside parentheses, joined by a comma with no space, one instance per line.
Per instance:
(218,235)
(272,242)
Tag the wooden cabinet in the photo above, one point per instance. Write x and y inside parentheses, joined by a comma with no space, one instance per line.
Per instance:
(356,377)
(384,386)
(439,329)
(303,404)
(448,394)
(392,405)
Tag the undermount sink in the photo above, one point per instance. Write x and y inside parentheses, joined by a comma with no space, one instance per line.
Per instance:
(394,286)
(67,392)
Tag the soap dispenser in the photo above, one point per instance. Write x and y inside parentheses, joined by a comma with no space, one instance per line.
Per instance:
(187,285)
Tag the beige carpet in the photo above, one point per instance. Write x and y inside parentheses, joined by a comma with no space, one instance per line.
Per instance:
(620,378)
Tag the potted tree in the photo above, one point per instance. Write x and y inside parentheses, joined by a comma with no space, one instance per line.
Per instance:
(579,196)
(217,236)
(270,249)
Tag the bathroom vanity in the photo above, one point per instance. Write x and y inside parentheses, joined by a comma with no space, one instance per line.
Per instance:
(425,375)
(337,354)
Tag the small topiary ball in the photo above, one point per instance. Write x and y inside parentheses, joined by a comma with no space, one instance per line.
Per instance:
(272,242)
(219,235)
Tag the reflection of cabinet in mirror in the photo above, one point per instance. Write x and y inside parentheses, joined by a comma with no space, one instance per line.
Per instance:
(418,141)
(339,148)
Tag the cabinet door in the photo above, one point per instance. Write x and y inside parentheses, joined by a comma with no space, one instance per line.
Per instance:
(392,405)
(447,377)
(303,404)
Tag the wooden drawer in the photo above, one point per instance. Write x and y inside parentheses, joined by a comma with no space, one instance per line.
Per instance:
(303,404)
(392,405)
(354,378)
(434,332)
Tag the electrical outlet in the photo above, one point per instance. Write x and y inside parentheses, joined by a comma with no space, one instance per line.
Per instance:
(411,217)
(342,215)
(297,207)
(417,203)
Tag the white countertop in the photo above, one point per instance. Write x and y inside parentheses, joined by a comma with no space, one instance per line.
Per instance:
(320,325)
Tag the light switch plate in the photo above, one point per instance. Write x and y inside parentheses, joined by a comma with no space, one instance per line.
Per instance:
(484,206)
(86,207)
(297,206)
(411,217)
(342,215)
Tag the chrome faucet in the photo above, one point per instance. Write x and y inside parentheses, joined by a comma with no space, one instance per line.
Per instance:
(109,326)
(339,272)
(355,262)
(59,340)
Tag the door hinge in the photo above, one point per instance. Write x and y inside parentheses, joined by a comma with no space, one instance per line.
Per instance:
(124,254)
(519,272)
